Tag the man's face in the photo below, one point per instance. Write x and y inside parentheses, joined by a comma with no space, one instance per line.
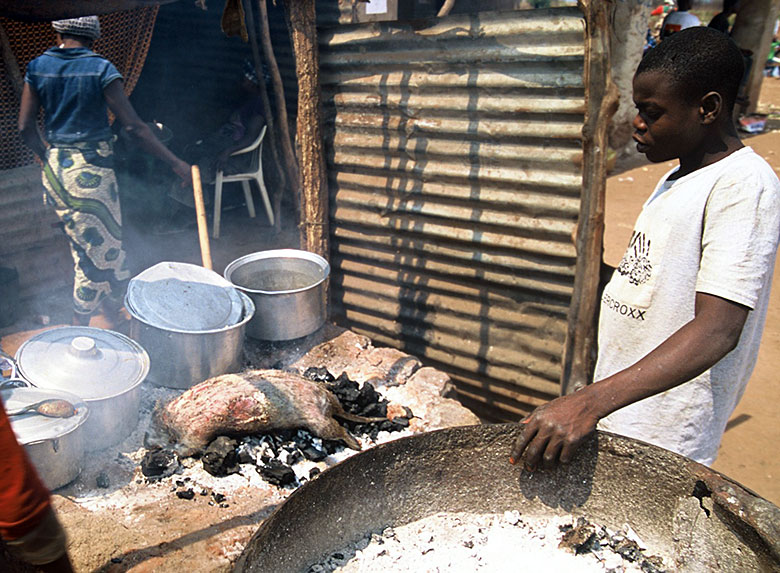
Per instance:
(666,126)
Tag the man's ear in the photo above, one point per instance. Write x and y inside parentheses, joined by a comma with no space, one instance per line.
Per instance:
(710,107)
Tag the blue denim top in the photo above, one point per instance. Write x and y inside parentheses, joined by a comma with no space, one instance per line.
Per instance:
(70,83)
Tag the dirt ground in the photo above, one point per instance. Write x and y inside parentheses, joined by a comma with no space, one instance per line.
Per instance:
(749,452)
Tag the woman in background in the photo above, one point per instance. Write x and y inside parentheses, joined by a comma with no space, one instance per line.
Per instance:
(76,87)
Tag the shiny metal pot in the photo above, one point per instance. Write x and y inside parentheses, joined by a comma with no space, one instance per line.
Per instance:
(55,446)
(183,358)
(102,367)
(288,289)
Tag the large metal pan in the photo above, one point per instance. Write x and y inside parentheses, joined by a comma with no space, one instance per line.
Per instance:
(694,517)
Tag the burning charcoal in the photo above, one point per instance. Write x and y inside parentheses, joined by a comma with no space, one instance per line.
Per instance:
(186,494)
(244,453)
(277,473)
(102,480)
(220,458)
(579,539)
(653,564)
(313,453)
(158,463)
(318,374)
(628,550)
(367,397)
(290,455)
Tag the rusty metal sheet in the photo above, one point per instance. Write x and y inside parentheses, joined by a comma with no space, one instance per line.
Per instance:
(455,173)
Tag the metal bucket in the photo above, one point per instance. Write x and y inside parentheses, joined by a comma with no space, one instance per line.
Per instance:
(288,289)
(183,358)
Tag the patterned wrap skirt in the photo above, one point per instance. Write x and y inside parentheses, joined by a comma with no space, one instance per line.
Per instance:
(81,185)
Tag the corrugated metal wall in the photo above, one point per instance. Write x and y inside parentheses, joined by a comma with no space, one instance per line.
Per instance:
(455,173)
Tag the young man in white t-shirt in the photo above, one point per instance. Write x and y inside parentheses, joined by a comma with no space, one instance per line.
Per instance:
(679,19)
(681,319)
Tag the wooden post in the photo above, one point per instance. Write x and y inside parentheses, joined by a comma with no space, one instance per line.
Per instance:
(601,103)
(276,193)
(753,28)
(281,106)
(314,199)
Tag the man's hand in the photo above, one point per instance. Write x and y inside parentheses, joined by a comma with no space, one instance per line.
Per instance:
(184,171)
(554,431)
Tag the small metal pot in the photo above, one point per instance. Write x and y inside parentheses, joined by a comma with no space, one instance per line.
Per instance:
(183,358)
(102,367)
(55,446)
(288,289)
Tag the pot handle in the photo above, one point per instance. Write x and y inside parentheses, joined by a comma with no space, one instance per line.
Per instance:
(7,363)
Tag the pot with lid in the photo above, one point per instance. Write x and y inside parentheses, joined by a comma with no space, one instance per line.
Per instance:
(55,446)
(102,367)
(190,319)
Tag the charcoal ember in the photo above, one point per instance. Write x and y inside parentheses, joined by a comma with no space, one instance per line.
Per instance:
(185,494)
(628,550)
(245,455)
(277,473)
(159,463)
(290,455)
(313,453)
(652,564)
(221,457)
(579,539)
(318,374)
(102,480)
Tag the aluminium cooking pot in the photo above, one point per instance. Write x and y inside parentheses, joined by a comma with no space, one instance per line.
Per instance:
(55,446)
(191,320)
(693,517)
(288,289)
(102,367)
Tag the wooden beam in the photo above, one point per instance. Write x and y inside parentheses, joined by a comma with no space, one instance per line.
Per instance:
(601,96)
(314,207)
(281,106)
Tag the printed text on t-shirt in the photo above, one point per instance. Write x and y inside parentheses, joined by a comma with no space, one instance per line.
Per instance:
(623,309)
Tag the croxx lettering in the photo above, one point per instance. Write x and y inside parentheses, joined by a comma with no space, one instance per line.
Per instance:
(623,309)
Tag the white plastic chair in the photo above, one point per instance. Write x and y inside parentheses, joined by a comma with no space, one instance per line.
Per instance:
(255,173)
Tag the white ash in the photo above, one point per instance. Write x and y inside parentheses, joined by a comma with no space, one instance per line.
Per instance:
(488,542)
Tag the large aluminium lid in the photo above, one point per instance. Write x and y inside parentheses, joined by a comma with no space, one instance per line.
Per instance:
(183,297)
(90,362)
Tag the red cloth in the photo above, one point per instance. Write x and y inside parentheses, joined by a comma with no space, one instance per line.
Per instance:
(24,499)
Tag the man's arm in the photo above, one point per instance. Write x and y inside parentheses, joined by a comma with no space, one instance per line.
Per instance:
(554,431)
(138,131)
(28,121)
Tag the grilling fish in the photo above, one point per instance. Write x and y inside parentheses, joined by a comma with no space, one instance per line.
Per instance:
(254,401)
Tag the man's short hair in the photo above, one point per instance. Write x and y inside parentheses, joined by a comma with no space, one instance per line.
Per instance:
(698,60)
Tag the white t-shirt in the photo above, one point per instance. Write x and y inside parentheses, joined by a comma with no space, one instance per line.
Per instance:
(714,231)
(676,21)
